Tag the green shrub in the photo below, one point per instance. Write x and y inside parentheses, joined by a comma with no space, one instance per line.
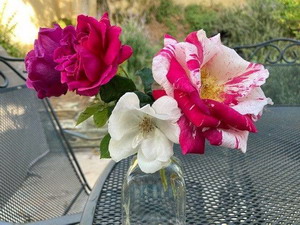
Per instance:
(255,22)
(201,17)
(135,35)
(169,14)
(289,16)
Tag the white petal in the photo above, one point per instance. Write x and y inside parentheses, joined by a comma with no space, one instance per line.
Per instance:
(121,149)
(125,116)
(210,45)
(160,68)
(235,139)
(167,106)
(171,130)
(226,64)
(253,103)
(155,152)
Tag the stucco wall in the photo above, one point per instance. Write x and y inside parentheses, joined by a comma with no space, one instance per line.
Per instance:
(29,15)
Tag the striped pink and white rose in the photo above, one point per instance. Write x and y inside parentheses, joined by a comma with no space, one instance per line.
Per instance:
(217,91)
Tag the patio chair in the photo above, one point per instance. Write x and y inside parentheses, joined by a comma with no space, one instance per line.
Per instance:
(41,181)
(282,58)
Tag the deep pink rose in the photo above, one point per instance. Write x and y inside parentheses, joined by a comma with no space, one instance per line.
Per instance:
(218,92)
(90,54)
(40,65)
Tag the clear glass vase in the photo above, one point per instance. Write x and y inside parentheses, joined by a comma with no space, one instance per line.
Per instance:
(154,198)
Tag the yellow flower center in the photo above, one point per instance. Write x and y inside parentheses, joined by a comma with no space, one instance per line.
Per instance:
(210,89)
(146,125)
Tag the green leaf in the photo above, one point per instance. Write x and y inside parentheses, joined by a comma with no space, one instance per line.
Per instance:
(100,117)
(115,88)
(144,98)
(87,113)
(104,153)
(147,79)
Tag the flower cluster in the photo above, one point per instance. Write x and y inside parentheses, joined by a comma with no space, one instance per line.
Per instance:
(205,90)
(80,58)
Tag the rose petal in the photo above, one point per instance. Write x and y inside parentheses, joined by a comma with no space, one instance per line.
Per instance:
(192,112)
(230,116)
(121,119)
(191,138)
(155,152)
(253,103)
(122,148)
(125,53)
(236,139)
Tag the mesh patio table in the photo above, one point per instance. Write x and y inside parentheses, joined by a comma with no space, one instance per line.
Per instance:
(225,186)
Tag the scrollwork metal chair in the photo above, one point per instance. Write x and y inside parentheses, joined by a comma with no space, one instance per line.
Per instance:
(282,58)
(41,181)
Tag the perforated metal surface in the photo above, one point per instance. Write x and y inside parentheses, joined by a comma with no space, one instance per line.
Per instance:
(37,178)
(226,187)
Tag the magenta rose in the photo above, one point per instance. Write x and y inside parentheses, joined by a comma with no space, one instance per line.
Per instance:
(217,91)
(90,54)
(40,66)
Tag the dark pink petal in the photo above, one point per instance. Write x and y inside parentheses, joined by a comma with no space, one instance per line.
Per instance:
(114,44)
(230,116)
(178,78)
(125,53)
(191,139)
(192,112)
(158,93)
(105,19)
(92,66)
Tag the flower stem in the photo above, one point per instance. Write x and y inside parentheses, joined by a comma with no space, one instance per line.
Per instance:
(124,71)
(163,178)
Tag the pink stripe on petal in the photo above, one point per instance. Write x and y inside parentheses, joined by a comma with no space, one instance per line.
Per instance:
(169,40)
(178,77)
(228,138)
(192,112)
(193,39)
(230,116)
(191,139)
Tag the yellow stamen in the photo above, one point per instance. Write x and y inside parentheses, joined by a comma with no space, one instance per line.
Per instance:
(146,125)
(210,89)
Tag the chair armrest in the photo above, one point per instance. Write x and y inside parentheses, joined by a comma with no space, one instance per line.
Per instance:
(63,220)
(80,135)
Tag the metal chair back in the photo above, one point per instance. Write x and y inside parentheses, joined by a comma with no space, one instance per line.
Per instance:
(40,177)
(282,58)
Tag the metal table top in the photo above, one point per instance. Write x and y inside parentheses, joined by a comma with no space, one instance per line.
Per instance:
(225,186)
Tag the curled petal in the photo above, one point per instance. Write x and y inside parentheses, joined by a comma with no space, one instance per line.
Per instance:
(236,139)
(193,113)
(230,116)
(253,103)
(160,68)
(121,149)
(167,106)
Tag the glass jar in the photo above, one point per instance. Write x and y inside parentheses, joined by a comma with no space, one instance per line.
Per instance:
(154,198)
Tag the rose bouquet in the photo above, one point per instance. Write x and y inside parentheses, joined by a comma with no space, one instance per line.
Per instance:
(197,90)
